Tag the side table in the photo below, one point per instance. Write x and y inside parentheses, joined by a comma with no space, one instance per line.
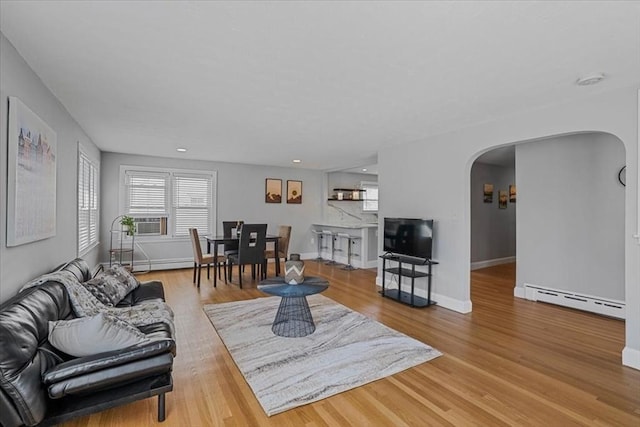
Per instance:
(293,318)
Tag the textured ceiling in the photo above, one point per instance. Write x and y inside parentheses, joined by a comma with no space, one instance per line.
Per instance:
(327,82)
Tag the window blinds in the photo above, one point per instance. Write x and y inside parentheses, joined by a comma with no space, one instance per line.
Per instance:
(191,202)
(146,193)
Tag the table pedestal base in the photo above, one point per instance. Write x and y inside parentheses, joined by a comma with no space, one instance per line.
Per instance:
(293,318)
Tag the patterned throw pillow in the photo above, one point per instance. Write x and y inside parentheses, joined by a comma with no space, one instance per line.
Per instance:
(106,288)
(112,285)
(86,336)
(125,276)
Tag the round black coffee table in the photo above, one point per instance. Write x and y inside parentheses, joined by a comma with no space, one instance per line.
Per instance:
(293,318)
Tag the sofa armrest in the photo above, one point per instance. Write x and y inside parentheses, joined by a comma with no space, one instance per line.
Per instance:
(98,362)
(152,290)
(113,377)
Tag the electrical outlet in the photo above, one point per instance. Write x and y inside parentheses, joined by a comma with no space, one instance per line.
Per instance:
(313,240)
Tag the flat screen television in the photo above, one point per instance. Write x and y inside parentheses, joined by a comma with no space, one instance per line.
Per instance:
(410,237)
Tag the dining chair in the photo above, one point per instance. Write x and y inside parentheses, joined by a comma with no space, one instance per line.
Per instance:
(200,259)
(251,248)
(284,235)
(228,228)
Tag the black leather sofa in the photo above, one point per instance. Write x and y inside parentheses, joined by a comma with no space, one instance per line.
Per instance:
(37,388)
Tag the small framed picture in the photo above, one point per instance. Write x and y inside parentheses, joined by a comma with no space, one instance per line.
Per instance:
(502,199)
(273,190)
(488,193)
(294,192)
(512,193)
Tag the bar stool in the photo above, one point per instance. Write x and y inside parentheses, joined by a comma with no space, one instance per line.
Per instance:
(320,238)
(328,235)
(351,240)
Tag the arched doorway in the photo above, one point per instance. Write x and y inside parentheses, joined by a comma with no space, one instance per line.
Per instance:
(570,211)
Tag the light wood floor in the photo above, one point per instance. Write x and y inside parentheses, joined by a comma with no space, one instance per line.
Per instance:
(510,362)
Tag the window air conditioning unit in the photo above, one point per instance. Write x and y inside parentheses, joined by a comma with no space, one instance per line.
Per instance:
(151,226)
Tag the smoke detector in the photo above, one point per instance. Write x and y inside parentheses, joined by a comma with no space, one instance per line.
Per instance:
(591,79)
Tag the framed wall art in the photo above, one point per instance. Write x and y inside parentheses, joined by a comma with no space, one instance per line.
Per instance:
(273,190)
(512,193)
(31,166)
(488,193)
(294,192)
(502,199)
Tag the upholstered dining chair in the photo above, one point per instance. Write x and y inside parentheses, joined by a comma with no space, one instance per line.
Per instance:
(200,259)
(251,248)
(228,227)
(284,235)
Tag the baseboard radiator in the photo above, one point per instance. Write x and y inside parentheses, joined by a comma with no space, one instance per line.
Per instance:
(593,304)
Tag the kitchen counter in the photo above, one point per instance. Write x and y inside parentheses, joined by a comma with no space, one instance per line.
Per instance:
(347,225)
(366,246)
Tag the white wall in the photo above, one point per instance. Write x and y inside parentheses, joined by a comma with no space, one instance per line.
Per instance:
(240,190)
(431,178)
(18,264)
(493,230)
(571,215)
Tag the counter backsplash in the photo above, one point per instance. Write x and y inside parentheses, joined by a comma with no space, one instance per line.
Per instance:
(348,213)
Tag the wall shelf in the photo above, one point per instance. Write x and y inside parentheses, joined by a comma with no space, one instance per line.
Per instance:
(347,195)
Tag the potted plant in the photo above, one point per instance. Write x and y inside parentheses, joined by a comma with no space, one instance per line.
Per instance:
(129,223)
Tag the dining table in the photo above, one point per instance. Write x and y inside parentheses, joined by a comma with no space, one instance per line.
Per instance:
(215,241)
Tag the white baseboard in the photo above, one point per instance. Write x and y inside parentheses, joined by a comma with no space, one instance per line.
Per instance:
(309,255)
(491,262)
(443,301)
(456,305)
(178,263)
(355,261)
(160,264)
(519,292)
(371,264)
(631,357)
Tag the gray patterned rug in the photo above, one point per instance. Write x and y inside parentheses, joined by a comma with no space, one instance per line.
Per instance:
(347,350)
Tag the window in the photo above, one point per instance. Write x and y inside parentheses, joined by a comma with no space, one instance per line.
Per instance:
(169,201)
(88,196)
(146,193)
(370,202)
(192,201)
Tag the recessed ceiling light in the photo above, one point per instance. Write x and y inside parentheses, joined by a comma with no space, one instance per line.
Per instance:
(181,150)
(364,169)
(590,79)
(297,161)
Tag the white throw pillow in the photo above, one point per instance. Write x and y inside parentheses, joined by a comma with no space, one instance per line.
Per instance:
(90,335)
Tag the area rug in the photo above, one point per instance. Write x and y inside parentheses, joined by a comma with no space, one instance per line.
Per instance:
(346,350)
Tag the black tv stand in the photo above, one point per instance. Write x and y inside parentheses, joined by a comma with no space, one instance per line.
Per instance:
(399,295)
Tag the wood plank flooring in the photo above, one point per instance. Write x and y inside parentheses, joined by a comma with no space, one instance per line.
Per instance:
(510,362)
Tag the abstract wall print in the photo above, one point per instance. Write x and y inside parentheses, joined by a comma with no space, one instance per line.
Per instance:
(31,198)
(512,193)
(502,199)
(294,192)
(488,193)
(273,191)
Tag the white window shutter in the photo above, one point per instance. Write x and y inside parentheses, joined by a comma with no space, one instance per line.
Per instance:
(88,197)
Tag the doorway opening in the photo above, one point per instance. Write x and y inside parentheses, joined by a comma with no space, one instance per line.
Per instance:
(563,219)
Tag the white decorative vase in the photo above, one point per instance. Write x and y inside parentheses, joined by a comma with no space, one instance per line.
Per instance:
(294,270)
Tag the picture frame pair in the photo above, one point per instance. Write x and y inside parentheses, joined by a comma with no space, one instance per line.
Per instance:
(273,191)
